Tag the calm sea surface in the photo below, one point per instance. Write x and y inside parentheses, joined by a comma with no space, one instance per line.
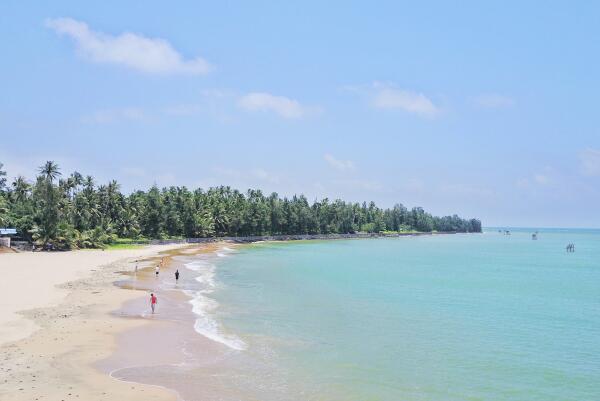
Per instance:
(449,317)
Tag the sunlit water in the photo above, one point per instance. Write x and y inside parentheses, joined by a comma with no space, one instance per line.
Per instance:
(449,317)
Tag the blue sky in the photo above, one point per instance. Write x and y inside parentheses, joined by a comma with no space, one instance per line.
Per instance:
(486,110)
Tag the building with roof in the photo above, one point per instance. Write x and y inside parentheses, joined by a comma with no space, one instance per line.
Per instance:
(5,236)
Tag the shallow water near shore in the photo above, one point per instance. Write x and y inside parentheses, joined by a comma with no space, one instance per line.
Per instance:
(453,317)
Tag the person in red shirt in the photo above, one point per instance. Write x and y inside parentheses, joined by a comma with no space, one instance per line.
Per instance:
(153,301)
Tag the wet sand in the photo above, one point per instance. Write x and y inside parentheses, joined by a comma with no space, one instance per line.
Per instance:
(99,340)
(171,353)
(168,352)
(56,361)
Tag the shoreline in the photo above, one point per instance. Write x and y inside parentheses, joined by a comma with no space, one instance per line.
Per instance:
(72,318)
(70,326)
(86,327)
(196,351)
(298,237)
(41,279)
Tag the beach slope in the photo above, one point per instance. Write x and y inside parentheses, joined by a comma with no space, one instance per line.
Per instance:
(56,321)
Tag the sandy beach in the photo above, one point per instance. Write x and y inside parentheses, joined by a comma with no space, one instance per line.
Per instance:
(56,322)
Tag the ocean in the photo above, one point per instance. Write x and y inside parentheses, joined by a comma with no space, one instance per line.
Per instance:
(447,317)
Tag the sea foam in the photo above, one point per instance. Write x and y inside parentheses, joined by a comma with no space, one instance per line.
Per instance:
(203,305)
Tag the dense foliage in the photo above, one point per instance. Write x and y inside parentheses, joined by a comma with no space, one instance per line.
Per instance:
(74,212)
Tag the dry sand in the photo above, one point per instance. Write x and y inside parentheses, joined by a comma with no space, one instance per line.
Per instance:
(29,280)
(69,297)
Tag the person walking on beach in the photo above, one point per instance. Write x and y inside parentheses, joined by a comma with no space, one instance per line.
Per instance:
(177,275)
(157,270)
(153,301)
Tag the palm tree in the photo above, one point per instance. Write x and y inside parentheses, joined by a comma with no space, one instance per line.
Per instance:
(2,177)
(20,188)
(77,179)
(3,211)
(88,183)
(113,187)
(50,170)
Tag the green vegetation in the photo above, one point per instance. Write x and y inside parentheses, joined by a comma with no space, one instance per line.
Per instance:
(123,246)
(74,212)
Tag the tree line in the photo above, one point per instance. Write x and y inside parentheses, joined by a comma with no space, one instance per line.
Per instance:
(75,212)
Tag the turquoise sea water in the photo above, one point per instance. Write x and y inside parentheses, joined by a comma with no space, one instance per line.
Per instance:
(449,317)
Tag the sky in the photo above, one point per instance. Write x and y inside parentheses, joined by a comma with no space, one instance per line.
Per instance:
(484,109)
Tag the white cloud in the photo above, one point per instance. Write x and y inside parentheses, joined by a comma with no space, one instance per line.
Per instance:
(494,101)
(216,103)
(590,162)
(149,55)
(388,96)
(260,101)
(541,179)
(341,165)
(115,115)
(410,102)
(391,98)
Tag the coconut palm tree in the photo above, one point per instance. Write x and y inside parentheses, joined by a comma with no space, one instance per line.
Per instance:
(3,211)
(77,179)
(50,171)
(21,189)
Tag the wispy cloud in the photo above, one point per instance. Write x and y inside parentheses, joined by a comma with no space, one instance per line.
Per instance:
(387,96)
(215,103)
(590,162)
(410,102)
(248,177)
(340,165)
(115,115)
(542,179)
(494,101)
(281,105)
(264,175)
(149,55)
(547,178)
